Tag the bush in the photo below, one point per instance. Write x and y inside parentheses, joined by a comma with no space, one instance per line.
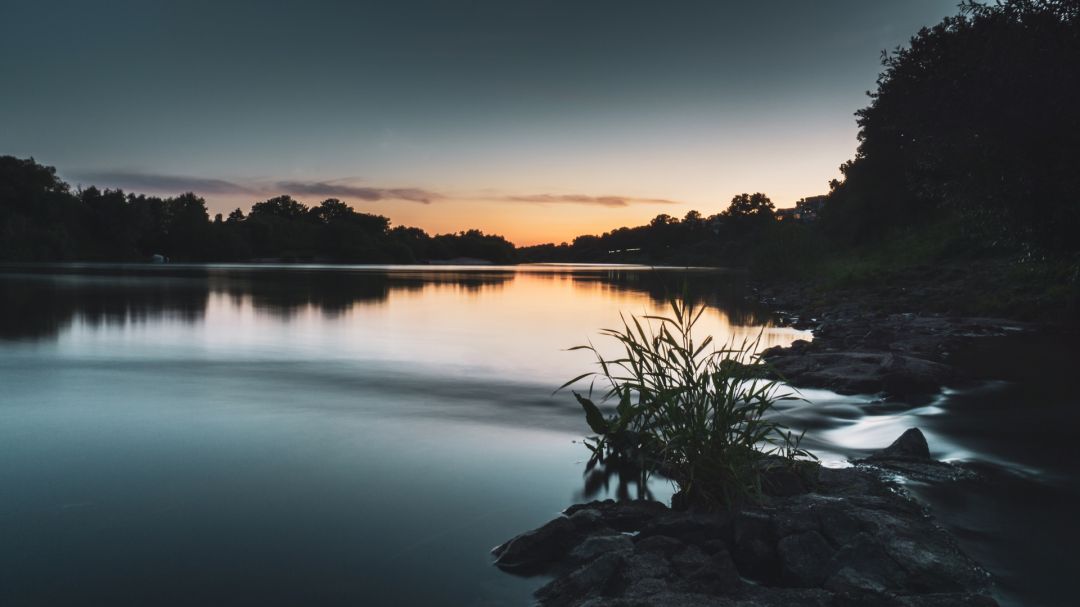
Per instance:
(696,415)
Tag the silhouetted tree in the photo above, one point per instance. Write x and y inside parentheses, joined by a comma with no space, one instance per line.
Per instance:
(283,207)
(975,120)
(751,206)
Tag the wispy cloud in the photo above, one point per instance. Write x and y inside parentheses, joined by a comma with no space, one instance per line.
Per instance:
(327,188)
(157,183)
(605,201)
(174,184)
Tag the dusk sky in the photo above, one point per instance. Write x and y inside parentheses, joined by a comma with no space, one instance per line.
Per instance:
(537,120)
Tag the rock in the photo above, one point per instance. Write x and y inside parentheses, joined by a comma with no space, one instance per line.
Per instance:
(906,375)
(911,444)
(805,559)
(863,566)
(755,546)
(838,525)
(596,545)
(536,549)
(910,456)
(591,579)
(622,516)
(946,600)
(659,543)
(854,539)
(704,573)
(795,520)
(691,527)
(862,372)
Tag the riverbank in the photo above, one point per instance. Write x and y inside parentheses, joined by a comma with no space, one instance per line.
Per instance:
(858,350)
(848,536)
(900,338)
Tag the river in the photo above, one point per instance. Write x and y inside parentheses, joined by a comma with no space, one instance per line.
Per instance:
(177,435)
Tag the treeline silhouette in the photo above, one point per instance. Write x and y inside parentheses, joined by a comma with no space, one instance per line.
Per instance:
(43,219)
(725,238)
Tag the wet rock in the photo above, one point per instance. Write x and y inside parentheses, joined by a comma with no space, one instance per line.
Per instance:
(805,559)
(838,526)
(701,572)
(661,544)
(946,600)
(622,516)
(911,444)
(596,545)
(910,456)
(863,566)
(536,549)
(860,372)
(796,517)
(590,580)
(691,527)
(854,539)
(755,546)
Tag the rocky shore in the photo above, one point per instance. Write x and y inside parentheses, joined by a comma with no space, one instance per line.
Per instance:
(844,537)
(860,347)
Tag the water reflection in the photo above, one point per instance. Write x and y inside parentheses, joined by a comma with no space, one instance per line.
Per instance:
(42,301)
(296,435)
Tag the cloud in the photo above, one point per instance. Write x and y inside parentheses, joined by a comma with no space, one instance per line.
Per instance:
(326,188)
(173,184)
(605,201)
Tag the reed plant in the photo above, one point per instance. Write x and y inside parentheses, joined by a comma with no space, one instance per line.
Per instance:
(692,411)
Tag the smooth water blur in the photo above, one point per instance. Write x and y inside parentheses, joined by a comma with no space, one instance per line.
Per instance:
(322,435)
(364,435)
(1012,421)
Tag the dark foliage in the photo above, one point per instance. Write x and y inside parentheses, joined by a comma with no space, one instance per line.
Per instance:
(974,122)
(42,219)
(725,238)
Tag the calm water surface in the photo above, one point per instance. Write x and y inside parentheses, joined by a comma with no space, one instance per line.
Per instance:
(328,435)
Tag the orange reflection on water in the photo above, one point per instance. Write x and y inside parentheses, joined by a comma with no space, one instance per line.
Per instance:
(510,322)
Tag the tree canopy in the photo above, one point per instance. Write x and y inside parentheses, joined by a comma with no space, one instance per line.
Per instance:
(975,119)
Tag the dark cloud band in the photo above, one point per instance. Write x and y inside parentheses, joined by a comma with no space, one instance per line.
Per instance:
(174,184)
(153,182)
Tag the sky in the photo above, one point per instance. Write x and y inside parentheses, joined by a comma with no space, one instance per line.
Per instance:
(535,119)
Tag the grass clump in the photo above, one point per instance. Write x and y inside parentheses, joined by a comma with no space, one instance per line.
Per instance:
(693,412)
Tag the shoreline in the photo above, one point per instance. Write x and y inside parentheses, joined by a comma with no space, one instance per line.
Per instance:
(854,536)
(864,346)
(849,536)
